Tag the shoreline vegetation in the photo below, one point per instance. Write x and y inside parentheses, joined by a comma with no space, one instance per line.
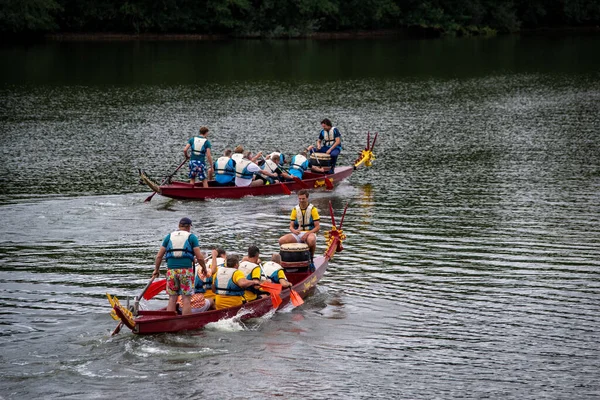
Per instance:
(289,19)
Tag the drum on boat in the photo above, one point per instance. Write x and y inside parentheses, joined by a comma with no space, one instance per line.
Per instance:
(320,159)
(294,255)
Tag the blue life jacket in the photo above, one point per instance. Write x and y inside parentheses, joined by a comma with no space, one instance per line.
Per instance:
(241,169)
(224,284)
(179,246)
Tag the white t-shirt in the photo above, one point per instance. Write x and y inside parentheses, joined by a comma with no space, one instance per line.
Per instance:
(246,182)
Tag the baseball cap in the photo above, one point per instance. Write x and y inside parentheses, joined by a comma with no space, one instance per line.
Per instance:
(185,221)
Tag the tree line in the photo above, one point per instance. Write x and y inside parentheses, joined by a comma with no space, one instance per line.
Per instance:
(292,18)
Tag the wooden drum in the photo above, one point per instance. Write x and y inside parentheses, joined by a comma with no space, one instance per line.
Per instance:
(294,254)
(320,159)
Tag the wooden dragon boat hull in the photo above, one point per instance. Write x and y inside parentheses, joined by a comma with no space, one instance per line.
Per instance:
(160,321)
(184,191)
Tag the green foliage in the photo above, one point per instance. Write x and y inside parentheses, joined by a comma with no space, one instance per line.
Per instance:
(24,16)
(292,18)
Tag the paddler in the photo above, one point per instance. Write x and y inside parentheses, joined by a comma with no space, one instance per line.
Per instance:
(179,248)
(203,282)
(224,169)
(299,164)
(200,146)
(251,268)
(229,284)
(273,271)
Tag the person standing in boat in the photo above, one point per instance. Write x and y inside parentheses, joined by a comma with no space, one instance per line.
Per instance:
(304,224)
(229,284)
(200,146)
(273,271)
(329,142)
(251,268)
(224,169)
(179,248)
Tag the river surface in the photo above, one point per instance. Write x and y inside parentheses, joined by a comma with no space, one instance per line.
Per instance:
(472,264)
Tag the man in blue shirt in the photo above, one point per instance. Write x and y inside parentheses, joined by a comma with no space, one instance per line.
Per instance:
(179,249)
(200,146)
(329,142)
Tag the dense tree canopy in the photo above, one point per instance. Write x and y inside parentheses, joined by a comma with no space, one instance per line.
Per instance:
(289,18)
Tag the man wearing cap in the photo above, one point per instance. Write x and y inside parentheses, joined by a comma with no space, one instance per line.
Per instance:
(179,248)
(200,146)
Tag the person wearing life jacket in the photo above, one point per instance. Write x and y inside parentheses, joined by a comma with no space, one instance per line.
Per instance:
(271,171)
(224,169)
(245,170)
(179,249)
(273,271)
(200,146)
(330,142)
(250,266)
(299,164)
(304,224)
(203,282)
(229,284)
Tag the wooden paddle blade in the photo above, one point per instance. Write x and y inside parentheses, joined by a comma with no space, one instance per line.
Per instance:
(276,300)
(295,298)
(271,287)
(286,190)
(155,288)
(117,329)
(149,197)
(300,182)
(328,183)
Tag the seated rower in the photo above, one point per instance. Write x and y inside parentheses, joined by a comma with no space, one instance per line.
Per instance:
(251,268)
(274,271)
(224,169)
(229,284)
(271,172)
(238,153)
(203,282)
(298,165)
(244,173)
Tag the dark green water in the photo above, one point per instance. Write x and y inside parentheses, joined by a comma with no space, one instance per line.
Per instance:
(471,268)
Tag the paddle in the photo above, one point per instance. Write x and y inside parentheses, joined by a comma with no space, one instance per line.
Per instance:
(155,288)
(295,298)
(273,289)
(165,180)
(135,307)
(286,190)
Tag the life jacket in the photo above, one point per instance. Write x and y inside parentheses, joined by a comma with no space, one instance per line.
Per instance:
(329,137)
(271,269)
(299,162)
(237,157)
(271,167)
(204,283)
(241,169)
(224,166)
(304,221)
(224,284)
(247,267)
(198,146)
(179,246)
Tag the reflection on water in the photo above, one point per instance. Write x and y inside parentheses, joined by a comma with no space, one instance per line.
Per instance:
(470,268)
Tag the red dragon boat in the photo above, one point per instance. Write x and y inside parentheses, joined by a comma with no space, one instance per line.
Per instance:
(183,190)
(144,322)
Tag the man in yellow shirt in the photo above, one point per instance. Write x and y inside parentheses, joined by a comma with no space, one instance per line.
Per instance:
(229,284)
(304,224)
(253,271)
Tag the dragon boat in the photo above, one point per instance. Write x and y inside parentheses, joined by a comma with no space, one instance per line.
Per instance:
(183,190)
(304,282)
